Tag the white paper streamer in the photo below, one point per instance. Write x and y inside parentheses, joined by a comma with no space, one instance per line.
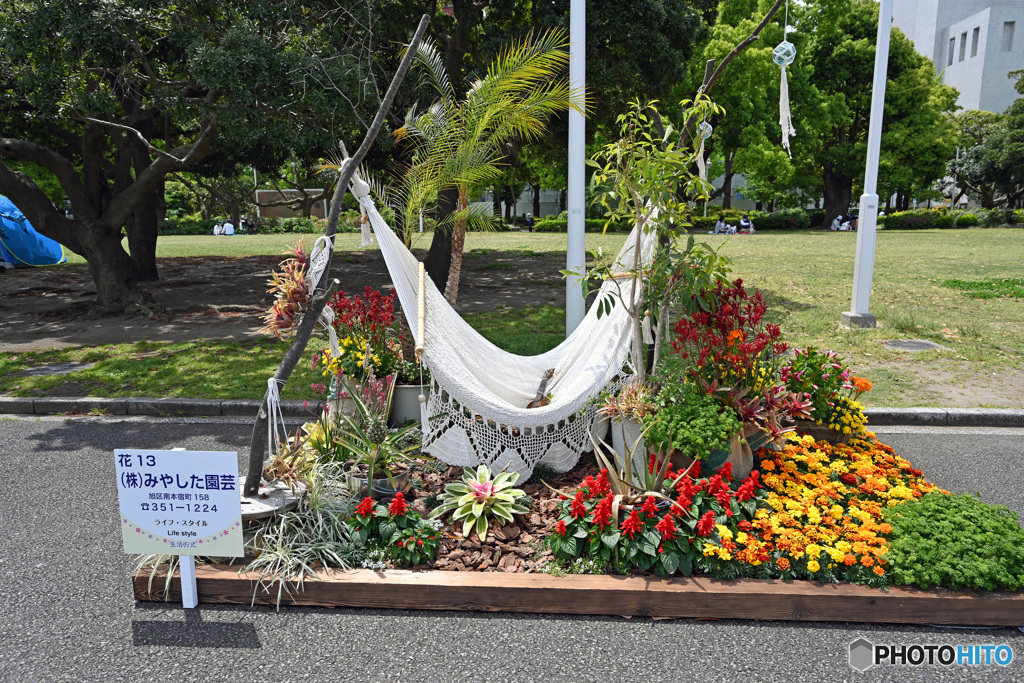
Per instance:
(785,119)
(702,168)
(646,328)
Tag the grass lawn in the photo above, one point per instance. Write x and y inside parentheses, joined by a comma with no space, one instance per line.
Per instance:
(926,286)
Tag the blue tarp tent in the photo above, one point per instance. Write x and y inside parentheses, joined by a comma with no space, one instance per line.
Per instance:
(20,244)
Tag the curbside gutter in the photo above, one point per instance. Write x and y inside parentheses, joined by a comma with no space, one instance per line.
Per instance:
(156,407)
(198,407)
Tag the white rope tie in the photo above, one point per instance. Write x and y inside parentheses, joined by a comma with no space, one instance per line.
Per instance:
(702,168)
(646,328)
(274,417)
(361,191)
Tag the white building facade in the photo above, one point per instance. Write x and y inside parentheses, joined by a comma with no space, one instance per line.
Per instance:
(972,43)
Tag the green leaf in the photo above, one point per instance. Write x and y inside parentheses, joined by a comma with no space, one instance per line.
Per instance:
(670,561)
(611,539)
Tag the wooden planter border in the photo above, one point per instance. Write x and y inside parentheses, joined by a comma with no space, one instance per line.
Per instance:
(693,597)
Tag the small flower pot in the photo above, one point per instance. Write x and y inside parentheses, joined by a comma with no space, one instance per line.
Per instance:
(821,432)
(382,486)
(339,403)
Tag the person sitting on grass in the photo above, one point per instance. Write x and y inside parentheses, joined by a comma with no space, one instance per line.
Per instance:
(746,225)
(229,229)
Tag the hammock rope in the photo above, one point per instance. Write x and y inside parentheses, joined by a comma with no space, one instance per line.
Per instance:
(476,413)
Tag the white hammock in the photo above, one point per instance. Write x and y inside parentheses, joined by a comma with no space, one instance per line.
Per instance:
(477,408)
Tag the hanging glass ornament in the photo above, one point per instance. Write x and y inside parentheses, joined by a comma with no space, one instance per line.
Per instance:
(705,129)
(784,53)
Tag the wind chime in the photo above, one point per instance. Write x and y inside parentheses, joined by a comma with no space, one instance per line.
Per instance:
(704,130)
(783,55)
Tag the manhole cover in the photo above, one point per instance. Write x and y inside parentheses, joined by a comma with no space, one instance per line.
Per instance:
(52,369)
(914,345)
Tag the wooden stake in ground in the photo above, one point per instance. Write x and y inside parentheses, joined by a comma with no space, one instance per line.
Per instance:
(323,292)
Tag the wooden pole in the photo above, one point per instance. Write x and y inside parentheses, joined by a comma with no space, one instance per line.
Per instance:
(323,292)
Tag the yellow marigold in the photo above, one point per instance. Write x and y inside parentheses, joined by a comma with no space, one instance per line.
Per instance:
(813,550)
(813,566)
(837,512)
(724,531)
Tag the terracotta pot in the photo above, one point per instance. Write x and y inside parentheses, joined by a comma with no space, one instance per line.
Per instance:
(821,432)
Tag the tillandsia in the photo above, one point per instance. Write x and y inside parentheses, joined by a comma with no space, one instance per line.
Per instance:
(291,294)
(478,499)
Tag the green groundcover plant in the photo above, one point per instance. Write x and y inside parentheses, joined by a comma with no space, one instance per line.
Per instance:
(955,542)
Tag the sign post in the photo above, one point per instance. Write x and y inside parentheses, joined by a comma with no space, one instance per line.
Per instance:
(183,503)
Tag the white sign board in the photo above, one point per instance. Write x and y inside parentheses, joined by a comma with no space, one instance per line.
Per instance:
(180,502)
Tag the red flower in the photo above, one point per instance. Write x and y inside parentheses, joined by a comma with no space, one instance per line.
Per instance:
(745,491)
(650,508)
(695,470)
(744,525)
(667,528)
(398,505)
(715,484)
(848,479)
(725,471)
(706,524)
(601,486)
(365,508)
(603,511)
(578,510)
(560,529)
(632,525)
(723,497)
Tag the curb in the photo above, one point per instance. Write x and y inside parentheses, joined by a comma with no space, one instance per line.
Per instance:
(155,407)
(198,407)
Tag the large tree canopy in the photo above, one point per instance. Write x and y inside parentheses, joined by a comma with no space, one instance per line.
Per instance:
(109,96)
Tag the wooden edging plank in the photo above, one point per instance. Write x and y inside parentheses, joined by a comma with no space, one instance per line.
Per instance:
(693,597)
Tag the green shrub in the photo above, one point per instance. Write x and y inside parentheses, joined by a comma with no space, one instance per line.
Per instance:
(1018,216)
(186,225)
(703,224)
(910,220)
(955,542)
(817,216)
(967,220)
(787,219)
(591,225)
(944,221)
(687,422)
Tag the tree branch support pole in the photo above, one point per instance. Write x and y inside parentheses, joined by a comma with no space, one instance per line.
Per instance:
(323,292)
(576,259)
(864,265)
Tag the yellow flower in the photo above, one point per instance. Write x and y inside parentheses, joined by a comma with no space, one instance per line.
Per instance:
(813,566)
(813,550)
(724,531)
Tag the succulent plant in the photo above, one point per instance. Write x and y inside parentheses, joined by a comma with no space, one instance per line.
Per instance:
(477,499)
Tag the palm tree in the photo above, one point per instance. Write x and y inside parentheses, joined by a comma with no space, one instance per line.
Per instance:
(458,144)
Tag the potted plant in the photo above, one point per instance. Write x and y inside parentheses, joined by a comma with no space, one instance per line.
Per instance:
(832,392)
(623,411)
(372,452)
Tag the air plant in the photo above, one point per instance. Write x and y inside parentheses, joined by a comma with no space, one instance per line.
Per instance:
(291,290)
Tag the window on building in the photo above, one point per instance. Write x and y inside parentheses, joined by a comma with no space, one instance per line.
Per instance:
(1008,27)
(963,46)
(974,41)
(952,48)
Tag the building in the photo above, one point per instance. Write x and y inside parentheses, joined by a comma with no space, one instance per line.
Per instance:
(973,44)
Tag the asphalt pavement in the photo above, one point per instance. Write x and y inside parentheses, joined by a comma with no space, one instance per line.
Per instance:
(68,612)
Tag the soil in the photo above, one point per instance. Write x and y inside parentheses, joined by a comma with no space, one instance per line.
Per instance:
(512,548)
(224,297)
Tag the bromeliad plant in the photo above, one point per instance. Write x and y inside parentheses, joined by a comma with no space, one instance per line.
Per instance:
(291,294)
(478,499)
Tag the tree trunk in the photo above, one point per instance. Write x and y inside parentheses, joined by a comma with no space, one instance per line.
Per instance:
(838,190)
(510,202)
(561,201)
(112,269)
(536,201)
(496,201)
(439,258)
(451,290)
(727,184)
(142,236)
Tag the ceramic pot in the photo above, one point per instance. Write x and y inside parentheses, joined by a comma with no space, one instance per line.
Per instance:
(337,405)
(821,432)
(405,403)
(740,455)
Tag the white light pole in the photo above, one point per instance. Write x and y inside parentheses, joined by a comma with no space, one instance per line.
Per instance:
(864,265)
(575,306)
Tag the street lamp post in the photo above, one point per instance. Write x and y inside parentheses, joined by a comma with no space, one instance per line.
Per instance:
(864,265)
(575,306)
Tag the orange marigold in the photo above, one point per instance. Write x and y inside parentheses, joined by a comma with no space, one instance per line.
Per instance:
(783,563)
(849,560)
(861,384)
(878,570)
(867,560)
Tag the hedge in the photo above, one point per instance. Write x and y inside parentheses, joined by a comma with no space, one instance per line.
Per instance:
(942,218)
(590,225)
